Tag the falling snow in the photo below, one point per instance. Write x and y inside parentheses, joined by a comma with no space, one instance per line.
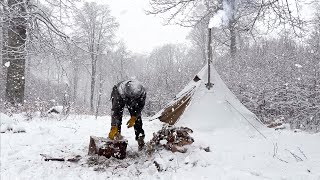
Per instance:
(7,64)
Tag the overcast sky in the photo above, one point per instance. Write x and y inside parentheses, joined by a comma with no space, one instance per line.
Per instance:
(141,32)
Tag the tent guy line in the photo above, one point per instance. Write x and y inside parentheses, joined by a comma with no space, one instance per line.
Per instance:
(247,119)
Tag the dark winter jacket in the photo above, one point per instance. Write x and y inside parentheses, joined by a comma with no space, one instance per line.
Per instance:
(129,93)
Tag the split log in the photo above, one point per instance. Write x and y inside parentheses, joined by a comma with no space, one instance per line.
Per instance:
(106,147)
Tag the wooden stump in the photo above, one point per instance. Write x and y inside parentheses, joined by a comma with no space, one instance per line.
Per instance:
(106,147)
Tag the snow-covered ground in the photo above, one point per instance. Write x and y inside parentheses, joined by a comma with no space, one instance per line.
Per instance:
(241,147)
(235,154)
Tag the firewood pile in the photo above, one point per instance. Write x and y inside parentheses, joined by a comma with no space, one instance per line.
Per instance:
(170,138)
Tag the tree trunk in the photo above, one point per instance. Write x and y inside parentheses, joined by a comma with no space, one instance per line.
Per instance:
(75,80)
(93,82)
(99,96)
(233,45)
(232,29)
(4,44)
(121,64)
(15,84)
(85,95)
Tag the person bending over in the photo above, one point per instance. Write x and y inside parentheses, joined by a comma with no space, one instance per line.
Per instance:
(130,94)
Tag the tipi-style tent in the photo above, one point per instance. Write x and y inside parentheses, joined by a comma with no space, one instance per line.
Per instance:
(198,107)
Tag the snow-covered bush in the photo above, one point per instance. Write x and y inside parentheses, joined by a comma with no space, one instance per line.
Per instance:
(8,124)
(277,79)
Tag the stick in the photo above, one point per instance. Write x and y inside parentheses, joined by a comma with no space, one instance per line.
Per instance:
(295,156)
(302,153)
(275,149)
(54,159)
(282,160)
(49,158)
(157,166)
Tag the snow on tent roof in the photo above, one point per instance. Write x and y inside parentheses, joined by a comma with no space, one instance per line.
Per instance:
(197,107)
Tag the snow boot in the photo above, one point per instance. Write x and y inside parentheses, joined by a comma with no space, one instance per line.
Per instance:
(141,143)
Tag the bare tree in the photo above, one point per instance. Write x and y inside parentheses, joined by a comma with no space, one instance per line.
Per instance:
(27,30)
(14,54)
(243,15)
(121,62)
(96,28)
(199,37)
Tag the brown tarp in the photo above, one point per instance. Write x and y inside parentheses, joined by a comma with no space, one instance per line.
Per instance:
(172,113)
(175,109)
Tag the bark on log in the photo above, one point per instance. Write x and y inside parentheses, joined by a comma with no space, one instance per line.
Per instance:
(106,147)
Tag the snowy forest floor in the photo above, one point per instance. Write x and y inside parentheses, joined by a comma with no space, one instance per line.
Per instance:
(236,153)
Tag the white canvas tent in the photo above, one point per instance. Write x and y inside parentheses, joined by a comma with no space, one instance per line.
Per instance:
(197,107)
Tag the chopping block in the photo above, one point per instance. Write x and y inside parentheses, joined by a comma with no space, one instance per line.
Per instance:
(107,147)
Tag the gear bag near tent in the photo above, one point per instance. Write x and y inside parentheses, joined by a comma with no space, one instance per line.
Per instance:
(190,106)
